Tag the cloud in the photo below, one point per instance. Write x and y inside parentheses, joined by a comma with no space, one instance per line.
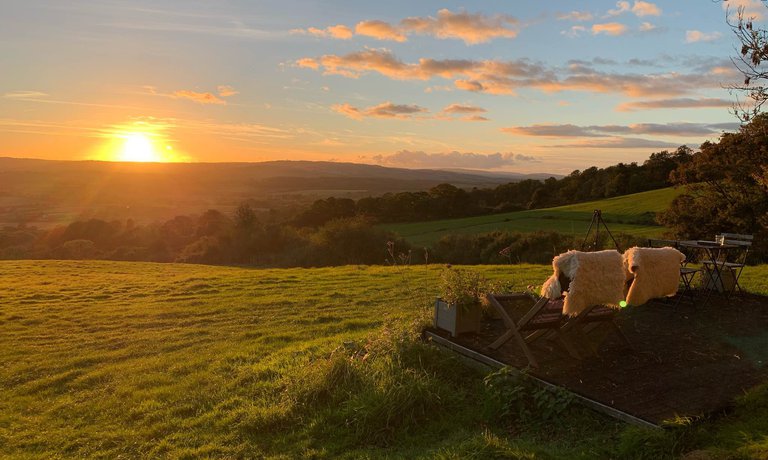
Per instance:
(621,7)
(754,9)
(667,129)
(200,98)
(639,9)
(574,31)
(504,77)
(475,118)
(420,159)
(547,130)
(226,91)
(579,16)
(472,28)
(693,36)
(609,28)
(380,30)
(678,103)
(383,110)
(618,143)
(339,31)
(647,27)
(458,108)
(25,95)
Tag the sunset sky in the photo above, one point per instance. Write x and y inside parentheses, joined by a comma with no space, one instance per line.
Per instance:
(498,85)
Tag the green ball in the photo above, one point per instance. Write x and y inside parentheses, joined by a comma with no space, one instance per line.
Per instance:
(623,303)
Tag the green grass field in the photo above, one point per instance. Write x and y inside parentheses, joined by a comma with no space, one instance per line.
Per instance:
(140,360)
(627,214)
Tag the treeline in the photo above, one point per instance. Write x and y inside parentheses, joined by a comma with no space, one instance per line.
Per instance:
(214,238)
(210,238)
(447,201)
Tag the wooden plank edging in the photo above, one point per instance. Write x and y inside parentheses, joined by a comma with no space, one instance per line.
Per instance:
(591,403)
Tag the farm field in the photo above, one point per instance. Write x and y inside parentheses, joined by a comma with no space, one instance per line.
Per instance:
(627,214)
(138,360)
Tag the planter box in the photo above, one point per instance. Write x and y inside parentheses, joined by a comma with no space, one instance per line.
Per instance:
(457,320)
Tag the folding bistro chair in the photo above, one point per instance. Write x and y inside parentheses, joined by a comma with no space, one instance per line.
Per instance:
(545,318)
(734,267)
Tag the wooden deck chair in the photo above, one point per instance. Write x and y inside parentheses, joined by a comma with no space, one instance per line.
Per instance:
(545,318)
(735,266)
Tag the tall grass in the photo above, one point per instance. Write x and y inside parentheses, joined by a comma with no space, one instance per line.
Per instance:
(140,360)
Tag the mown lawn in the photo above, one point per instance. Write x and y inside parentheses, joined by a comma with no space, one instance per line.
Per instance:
(626,214)
(139,360)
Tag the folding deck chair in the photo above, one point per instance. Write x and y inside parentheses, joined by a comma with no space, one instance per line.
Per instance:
(544,318)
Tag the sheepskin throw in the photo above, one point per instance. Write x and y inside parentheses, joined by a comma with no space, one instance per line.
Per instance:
(596,278)
(656,271)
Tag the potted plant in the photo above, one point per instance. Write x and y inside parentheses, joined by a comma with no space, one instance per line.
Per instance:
(459,307)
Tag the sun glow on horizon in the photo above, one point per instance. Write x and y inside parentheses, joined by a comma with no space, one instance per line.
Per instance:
(138,147)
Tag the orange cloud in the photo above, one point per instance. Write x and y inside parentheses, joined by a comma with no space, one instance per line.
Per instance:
(641,9)
(472,28)
(504,77)
(200,98)
(609,28)
(458,108)
(383,110)
(379,30)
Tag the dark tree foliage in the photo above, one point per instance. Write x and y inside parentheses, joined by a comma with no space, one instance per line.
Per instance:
(447,201)
(727,188)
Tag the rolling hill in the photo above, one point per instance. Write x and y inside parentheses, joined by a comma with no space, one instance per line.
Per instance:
(44,192)
(629,214)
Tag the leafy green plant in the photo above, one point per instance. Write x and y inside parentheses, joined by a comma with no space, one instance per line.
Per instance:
(513,396)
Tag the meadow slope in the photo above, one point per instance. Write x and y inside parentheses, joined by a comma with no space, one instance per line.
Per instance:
(137,360)
(630,214)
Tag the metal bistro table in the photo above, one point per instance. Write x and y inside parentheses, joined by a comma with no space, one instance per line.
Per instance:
(717,253)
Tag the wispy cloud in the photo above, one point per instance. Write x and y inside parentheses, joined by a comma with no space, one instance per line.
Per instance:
(25,95)
(463,109)
(200,98)
(421,159)
(504,77)
(656,129)
(678,103)
(618,143)
(383,110)
(339,31)
(578,16)
(639,9)
(693,36)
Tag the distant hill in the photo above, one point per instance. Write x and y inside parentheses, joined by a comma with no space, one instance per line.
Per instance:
(45,192)
(631,214)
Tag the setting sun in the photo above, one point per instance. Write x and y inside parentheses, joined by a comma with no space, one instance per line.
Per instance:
(140,148)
